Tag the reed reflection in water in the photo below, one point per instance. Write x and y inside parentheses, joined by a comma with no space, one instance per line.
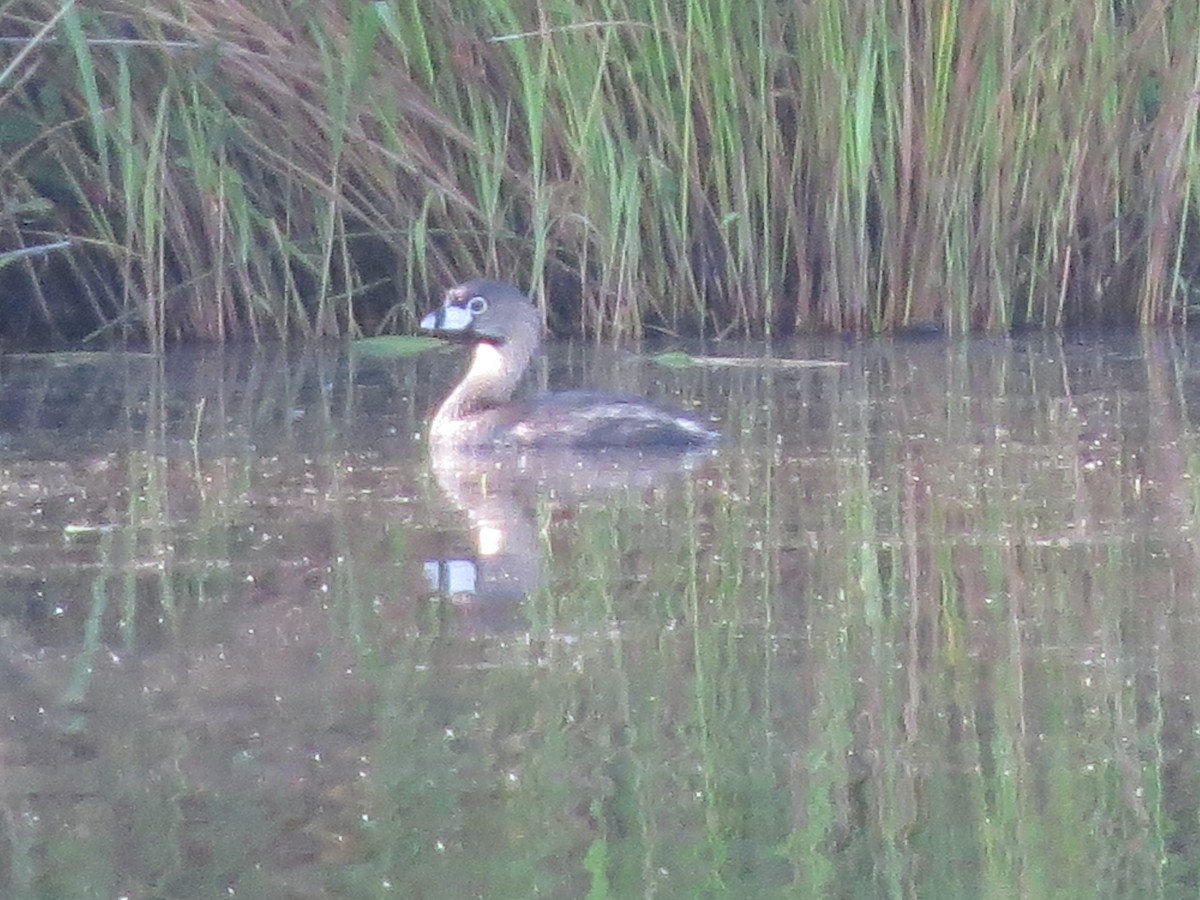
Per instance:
(926,622)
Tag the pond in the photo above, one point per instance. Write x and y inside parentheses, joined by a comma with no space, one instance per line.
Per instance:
(927,624)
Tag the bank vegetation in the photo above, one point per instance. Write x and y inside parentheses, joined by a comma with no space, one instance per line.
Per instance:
(266,169)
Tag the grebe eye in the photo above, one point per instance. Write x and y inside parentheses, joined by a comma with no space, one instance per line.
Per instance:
(477,305)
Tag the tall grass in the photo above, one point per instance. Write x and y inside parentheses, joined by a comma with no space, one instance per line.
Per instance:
(258,168)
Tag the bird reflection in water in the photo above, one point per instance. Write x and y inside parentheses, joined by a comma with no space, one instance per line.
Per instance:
(502,494)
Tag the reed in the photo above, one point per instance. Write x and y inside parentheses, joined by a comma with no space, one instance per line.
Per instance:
(259,169)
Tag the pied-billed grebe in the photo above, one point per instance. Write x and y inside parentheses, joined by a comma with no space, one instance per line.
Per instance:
(505,329)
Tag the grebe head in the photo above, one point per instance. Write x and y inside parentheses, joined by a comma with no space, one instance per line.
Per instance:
(483,311)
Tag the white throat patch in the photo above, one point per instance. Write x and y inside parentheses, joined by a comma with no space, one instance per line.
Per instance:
(489,362)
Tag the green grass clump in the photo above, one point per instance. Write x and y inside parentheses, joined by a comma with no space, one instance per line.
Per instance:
(265,169)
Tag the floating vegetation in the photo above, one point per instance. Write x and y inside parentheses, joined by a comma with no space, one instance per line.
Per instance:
(390,346)
(677,359)
(79,357)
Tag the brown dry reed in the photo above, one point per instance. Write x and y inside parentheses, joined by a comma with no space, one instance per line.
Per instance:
(266,168)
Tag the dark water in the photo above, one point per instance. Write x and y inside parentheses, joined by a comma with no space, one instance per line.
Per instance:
(927,626)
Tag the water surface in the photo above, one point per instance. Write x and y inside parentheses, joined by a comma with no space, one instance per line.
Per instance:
(926,625)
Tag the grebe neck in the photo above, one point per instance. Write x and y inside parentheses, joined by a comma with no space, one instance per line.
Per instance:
(489,382)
